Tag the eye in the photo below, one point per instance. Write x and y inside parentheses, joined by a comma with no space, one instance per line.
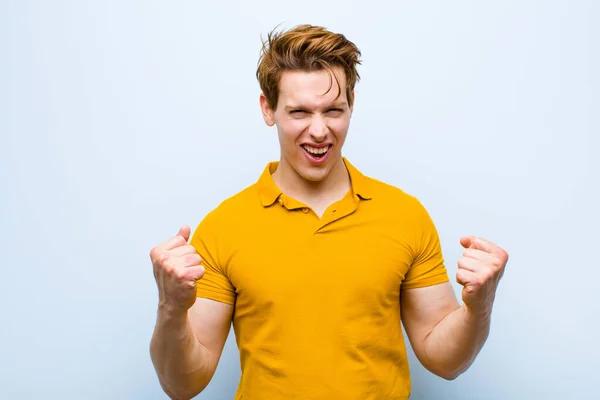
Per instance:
(335,111)
(297,112)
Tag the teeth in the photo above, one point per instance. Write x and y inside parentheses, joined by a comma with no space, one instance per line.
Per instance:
(313,150)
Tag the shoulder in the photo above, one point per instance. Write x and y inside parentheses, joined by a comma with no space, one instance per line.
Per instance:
(233,209)
(393,197)
(399,207)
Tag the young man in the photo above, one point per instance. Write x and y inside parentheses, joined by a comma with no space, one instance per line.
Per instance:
(316,264)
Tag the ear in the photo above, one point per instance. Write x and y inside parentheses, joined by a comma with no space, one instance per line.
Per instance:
(352,106)
(267,112)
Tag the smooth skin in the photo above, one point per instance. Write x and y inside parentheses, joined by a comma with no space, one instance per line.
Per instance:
(309,111)
(190,332)
(447,337)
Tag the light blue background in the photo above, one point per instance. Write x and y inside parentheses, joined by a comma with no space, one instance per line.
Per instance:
(122,120)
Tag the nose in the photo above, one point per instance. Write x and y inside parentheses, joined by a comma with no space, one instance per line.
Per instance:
(318,128)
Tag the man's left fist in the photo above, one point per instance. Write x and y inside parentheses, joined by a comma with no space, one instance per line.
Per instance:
(479,271)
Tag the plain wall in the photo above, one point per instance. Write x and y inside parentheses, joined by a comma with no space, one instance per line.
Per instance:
(122,120)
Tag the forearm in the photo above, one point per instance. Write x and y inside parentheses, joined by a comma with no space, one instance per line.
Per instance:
(453,344)
(181,362)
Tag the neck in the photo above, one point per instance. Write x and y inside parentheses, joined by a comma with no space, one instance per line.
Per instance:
(335,184)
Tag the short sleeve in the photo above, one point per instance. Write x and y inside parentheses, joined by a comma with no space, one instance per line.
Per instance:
(214,284)
(428,267)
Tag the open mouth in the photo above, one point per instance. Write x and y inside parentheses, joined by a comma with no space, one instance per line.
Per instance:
(316,152)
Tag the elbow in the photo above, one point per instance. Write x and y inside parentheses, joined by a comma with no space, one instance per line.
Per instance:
(177,396)
(449,375)
(448,369)
(447,372)
(183,388)
(181,394)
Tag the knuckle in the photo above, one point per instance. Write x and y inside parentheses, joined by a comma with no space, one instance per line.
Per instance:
(178,274)
(488,277)
(480,280)
(167,269)
(162,258)
(497,262)
(193,258)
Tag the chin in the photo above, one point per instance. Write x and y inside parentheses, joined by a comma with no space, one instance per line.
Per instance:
(313,174)
(314,177)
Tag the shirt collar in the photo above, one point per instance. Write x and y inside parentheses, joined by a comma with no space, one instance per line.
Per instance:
(269,192)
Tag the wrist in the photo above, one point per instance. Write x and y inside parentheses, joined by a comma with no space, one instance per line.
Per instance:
(171,313)
(477,315)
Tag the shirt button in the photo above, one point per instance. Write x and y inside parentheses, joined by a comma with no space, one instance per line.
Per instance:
(304,210)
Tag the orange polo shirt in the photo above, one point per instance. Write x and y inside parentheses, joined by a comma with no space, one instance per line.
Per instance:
(317,300)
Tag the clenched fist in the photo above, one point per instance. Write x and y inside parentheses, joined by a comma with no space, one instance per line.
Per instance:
(479,271)
(176,270)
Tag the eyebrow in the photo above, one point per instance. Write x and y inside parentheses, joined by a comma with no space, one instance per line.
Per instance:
(299,107)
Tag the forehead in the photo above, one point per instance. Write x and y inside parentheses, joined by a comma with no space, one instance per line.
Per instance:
(311,88)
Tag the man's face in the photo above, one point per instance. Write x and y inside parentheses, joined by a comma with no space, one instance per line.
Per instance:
(311,124)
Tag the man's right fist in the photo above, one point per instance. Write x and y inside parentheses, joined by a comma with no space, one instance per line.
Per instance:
(176,270)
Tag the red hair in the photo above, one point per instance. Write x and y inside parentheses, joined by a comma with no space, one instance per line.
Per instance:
(306,48)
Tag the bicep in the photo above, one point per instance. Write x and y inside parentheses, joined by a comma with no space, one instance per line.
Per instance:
(211,321)
(423,308)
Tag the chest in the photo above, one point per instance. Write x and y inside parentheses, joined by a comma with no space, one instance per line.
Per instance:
(327,268)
